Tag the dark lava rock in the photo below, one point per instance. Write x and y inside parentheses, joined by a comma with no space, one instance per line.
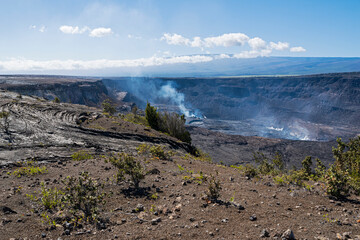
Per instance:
(253,218)
(7,210)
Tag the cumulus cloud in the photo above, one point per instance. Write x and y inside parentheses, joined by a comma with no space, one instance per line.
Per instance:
(73,30)
(258,47)
(96,32)
(100,32)
(175,39)
(257,43)
(279,46)
(33,65)
(297,49)
(225,40)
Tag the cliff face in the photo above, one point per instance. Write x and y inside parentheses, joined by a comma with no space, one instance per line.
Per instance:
(74,90)
(327,98)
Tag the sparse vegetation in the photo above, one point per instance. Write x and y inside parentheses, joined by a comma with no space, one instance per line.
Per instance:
(56,100)
(29,169)
(134,118)
(143,148)
(108,107)
(158,152)
(199,155)
(344,175)
(127,165)
(214,188)
(83,196)
(81,155)
(50,198)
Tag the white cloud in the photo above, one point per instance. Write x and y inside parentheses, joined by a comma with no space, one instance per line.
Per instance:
(175,39)
(133,37)
(226,40)
(96,32)
(100,32)
(73,30)
(297,49)
(257,43)
(258,47)
(42,29)
(279,45)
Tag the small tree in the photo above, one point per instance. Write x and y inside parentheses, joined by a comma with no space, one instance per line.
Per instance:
(108,107)
(126,164)
(306,165)
(174,124)
(279,162)
(320,168)
(152,116)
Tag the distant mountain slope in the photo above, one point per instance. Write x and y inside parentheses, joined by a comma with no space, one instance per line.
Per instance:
(253,66)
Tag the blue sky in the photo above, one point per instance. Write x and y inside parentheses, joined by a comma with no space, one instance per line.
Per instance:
(39,35)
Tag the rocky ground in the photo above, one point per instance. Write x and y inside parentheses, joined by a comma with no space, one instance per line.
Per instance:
(171,204)
(260,209)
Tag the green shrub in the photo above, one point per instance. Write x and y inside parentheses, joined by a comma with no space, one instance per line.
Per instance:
(29,170)
(345,172)
(337,182)
(50,198)
(143,148)
(347,156)
(214,188)
(81,155)
(158,152)
(127,165)
(108,107)
(56,100)
(306,166)
(250,171)
(83,196)
(320,169)
(133,118)
(278,162)
(200,156)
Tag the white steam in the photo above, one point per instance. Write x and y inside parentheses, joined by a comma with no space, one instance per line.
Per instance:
(168,91)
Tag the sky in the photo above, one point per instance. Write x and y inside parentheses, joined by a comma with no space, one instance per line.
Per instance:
(41,36)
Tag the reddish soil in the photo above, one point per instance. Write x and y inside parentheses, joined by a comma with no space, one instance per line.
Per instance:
(308,214)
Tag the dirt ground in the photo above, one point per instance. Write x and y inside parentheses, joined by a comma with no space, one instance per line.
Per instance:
(180,211)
